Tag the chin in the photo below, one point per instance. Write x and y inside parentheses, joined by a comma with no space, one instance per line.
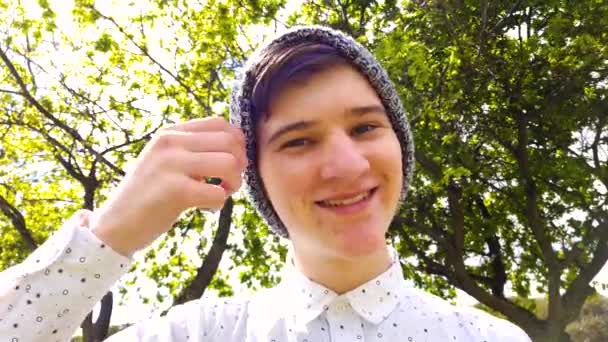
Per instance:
(361,246)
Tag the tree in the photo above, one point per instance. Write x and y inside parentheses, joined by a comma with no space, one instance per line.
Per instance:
(507,101)
(592,325)
(510,125)
(45,116)
(508,105)
(70,128)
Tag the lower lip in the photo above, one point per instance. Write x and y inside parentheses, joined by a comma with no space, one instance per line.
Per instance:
(354,208)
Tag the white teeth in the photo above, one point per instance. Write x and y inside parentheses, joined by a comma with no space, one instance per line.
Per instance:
(336,203)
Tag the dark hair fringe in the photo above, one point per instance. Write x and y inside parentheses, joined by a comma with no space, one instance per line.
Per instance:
(286,66)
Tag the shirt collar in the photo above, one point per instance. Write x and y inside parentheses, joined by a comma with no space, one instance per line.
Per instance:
(374,301)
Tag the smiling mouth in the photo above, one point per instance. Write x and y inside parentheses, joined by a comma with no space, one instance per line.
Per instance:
(347,201)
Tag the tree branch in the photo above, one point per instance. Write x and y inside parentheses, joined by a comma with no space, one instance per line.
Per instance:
(87,99)
(433,231)
(145,137)
(534,220)
(18,222)
(205,273)
(601,172)
(580,289)
(429,165)
(72,132)
(498,267)
(522,317)
(456,217)
(467,282)
(14,92)
(28,61)
(429,264)
(48,199)
(532,214)
(76,173)
(145,51)
(98,330)
(363,19)
(509,14)
(591,237)
(344,12)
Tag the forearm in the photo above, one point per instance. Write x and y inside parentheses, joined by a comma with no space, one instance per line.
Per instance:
(47,296)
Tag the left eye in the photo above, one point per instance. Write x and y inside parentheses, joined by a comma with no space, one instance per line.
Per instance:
(361,129)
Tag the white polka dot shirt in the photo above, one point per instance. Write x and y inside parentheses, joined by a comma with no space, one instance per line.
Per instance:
(46,297)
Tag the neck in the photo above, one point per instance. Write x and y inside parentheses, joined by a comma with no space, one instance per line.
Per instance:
(339,274)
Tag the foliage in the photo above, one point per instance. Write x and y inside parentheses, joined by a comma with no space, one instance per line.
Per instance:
(507,101)
(592,325)
(508,105)
(70,124)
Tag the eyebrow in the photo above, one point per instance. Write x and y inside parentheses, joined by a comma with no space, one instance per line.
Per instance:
(362,110)
(298,125)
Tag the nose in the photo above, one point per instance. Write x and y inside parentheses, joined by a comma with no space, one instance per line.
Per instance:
(343,158)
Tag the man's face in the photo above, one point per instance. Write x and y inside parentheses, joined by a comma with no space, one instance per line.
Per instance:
(331,164)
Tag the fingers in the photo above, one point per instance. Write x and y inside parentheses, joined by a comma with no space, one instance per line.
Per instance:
(215,141)
(202,165)
(168,177)
(202,195)
(199,149)
(214,123)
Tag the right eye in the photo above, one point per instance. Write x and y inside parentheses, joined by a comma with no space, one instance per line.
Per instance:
(296,143)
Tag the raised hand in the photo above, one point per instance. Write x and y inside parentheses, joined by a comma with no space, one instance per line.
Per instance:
(170,176)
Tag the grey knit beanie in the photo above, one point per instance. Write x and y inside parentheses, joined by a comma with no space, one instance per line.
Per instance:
(363,60)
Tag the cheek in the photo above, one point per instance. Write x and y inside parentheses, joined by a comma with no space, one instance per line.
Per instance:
(286,179)
(389,161)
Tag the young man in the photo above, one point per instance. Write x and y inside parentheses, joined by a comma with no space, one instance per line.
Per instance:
(328,157)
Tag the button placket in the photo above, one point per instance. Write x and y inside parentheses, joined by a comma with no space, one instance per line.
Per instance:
(344,323)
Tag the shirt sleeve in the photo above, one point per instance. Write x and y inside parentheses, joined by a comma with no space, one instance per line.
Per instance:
(180,324)
(501,330)
(206,319)
(46,297)
(509,333)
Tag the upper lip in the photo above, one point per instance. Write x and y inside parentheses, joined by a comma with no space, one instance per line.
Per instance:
(344,195)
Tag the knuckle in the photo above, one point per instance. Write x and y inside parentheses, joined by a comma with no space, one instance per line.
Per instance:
(165,157)
(163,140)
(212,198)
(170,126)
(237,184)
(232,162)
(174,191)
(218,120)
(234,142)
(174,184)
(230,138)
(164,129)
(217,204)
(241,136)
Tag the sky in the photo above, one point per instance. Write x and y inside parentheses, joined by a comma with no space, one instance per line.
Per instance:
(133,307)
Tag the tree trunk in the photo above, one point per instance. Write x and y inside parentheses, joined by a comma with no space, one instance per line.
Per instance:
(205,273)
(102,325)
(560,336)
(18,222)
(97,331)
(87,328)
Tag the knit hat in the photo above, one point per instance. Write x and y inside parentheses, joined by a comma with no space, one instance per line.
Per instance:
(241,107)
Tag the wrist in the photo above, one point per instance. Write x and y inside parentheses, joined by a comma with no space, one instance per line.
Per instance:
(111,233)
